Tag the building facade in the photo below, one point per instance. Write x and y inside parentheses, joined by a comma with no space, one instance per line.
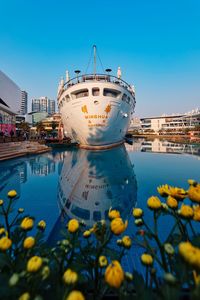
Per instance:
(10,93)
(43,104)
(172,123)
(10,97)
(24,102)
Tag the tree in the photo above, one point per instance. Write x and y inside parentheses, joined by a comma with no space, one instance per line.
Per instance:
(53,126)
(40,127)
(24,126)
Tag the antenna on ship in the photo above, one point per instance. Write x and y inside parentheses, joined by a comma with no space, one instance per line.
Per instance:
(95,59)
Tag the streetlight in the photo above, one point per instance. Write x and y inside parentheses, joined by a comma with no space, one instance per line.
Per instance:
(77,74)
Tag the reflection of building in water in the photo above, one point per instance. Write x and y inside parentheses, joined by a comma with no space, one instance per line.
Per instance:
(164,146)
(42,165)
(93,181)
(23,172)
(10,177)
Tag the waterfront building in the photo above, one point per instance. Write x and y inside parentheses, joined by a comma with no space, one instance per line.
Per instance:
(10,96)
(43,104)
(7,119)
(10,93)
(24,102)
(52,123)
(38,117)
(175,123)
(135,124)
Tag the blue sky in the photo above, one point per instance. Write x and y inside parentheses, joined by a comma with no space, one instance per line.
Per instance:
(156,43)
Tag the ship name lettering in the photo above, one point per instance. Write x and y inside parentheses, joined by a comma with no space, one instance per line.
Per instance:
(96,187)
(96,117)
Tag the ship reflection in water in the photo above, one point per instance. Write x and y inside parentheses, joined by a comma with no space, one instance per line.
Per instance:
(93,181)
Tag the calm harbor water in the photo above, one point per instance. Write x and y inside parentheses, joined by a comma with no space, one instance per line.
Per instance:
(83,184)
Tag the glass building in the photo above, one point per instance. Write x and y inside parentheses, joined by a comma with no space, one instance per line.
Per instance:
(43,104)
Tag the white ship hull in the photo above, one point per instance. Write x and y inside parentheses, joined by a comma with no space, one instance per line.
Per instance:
(96,119)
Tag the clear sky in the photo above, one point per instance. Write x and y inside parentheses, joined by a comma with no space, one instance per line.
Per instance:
(155,42)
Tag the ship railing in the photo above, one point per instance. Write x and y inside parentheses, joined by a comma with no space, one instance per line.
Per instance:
(99,78)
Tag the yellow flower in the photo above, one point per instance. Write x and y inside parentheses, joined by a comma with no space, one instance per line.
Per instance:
(29,242)
(86,233)
(12,194)
(27,223)
(126,241)
(190,254)
(73,225)
(75,295)
(2,230)
(117,226)
(114,274)
(112,214)
(192,182)
(172,202)
(70,277)
(41,225)
(154,203)
(5,243)
(177,193)
(194,193)
(137,212)
(103,261)
(186,211)
(1,202)
(163,190)
(196,209)
(34,264)
(147,259)
(25,296)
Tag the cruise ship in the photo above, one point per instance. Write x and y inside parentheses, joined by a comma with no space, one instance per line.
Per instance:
(96,109)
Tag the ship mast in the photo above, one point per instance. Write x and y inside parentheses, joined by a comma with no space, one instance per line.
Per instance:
(94,49)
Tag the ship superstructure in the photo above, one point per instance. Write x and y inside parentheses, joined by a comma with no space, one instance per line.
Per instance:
(96,108)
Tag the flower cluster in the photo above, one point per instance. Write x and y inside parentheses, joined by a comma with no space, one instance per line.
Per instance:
(94,259)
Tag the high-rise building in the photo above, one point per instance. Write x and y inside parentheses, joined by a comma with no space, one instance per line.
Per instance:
(24,102)
(51,107)
(43,104)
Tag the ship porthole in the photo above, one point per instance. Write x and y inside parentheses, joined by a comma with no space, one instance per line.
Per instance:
(96,102)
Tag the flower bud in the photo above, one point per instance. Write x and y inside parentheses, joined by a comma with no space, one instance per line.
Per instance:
(13,279)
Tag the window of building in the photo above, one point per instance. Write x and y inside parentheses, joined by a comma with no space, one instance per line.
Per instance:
(111,93)
(80,93)
(95,91)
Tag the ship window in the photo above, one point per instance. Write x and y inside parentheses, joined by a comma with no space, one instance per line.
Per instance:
(97,215)
(80,93)
(128,99)
(124,97)
(111,93)
(67,98)
(95,91)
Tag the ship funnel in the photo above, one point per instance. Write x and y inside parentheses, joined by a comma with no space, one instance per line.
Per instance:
(119,73)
